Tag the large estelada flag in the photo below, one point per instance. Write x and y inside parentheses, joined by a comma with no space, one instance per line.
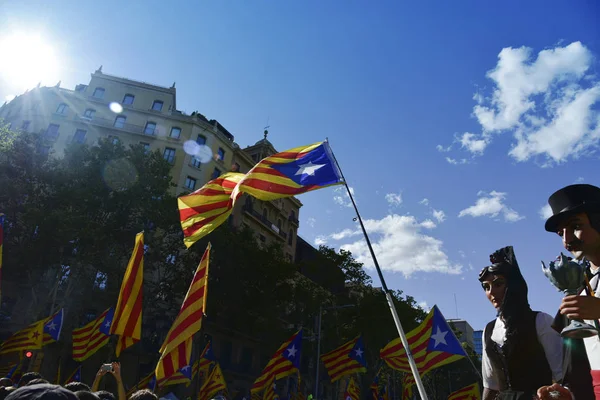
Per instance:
(88,339)
(289,173)
(352,390)
(432,344)
(285,362)
(75,376)
(470,392)
(176,350)
(127,320)
(347,359)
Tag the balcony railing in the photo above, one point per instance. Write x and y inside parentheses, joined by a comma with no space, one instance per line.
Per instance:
(293,220)
(265,221)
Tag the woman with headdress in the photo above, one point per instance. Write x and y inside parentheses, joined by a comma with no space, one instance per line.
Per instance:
(521,351)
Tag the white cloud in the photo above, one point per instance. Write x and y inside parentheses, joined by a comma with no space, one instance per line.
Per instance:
(425,202)
(342,197)
(443,149)
(548,101)
(579,180)
(439,215)
(424,306)
(401,246)
(394,199)
(320,240)
(462,254)
(545,212)
(456,162)
(344,234)
(470,142)
(310,221)
(491,205)
(428,224)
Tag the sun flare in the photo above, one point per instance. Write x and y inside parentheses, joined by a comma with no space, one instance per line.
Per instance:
(27,59)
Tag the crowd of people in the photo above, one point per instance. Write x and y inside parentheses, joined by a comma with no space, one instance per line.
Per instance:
(32,386)
(524,355)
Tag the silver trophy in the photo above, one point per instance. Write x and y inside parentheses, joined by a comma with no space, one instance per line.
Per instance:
(569,277)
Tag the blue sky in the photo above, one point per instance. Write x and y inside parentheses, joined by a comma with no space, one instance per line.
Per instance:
(484,109)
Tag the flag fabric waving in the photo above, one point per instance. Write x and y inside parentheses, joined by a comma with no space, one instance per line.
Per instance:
(88,339)
(470,392)
(207,358)
(204,210)
(127,321)
(408,382)
(75,376)
(346,359)
(432,344)
(176,350)
(375,386)
(352,390)
(214,384)
(270,390)
(2,218)
(30,338)
(285,362)
(7,370)
(292,172)
(184,375)
(147,382)
(53,328)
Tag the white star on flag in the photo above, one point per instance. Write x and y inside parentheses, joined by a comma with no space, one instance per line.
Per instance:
(185,368)
(51,326)
(439,337)
(308,169)
(358,352)
(107,324)
(292,351)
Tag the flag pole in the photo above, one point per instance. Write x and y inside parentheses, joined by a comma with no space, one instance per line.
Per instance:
(388,294)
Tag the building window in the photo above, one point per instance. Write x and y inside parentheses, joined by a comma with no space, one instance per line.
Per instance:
(175,132)
(216,173)
(190,183)
(120,121)
(279,223)
(98,93)
(291,237)
(235,167)
(89,113)
(169,155)
(128,99)
(52,132)
(62,109)
(146,147)
(221,154)
(265,214)
(293,215)
(248,202)
(201,139)
(150,128)
(196,162)
(44,150)
(226,353)
(113,139)
(262,238)
(157,105)
(25,125)
(79,136)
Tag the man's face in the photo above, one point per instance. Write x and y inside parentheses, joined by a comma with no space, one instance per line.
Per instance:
(579,238)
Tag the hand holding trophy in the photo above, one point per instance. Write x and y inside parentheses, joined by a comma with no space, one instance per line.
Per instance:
(568,276)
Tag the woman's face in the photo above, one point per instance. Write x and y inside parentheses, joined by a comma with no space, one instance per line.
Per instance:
(495,287)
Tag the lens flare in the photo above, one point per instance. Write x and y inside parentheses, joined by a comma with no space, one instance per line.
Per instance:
(115,107)
(201,152)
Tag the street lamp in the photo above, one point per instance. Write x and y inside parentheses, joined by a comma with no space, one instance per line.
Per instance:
(321,309)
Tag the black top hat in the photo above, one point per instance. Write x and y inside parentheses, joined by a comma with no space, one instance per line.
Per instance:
(572,200)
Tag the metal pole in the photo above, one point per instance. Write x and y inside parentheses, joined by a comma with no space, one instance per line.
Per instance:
(316,396)
(388,295)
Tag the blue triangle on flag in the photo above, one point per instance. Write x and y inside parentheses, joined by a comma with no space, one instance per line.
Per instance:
(292,352)
(358,352)
(442,337)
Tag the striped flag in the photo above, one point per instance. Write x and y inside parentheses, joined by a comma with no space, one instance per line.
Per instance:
(470,392)
(270,390)
(147,382)
(29,338)
(213,385)
(177,348)
(186,375)
(375,386)
(88,339)
(16,372)
(204,210)
(127,322)
(7,370)
(407,386)
(75,376)
(2,218)
(285,362)
(207,358)
(346,359)
(432,345)
(352,390)
(292,172)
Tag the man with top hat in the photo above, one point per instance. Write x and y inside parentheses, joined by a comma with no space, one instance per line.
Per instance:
(576,219)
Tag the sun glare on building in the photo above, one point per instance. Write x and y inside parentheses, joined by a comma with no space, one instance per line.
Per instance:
(27,59)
